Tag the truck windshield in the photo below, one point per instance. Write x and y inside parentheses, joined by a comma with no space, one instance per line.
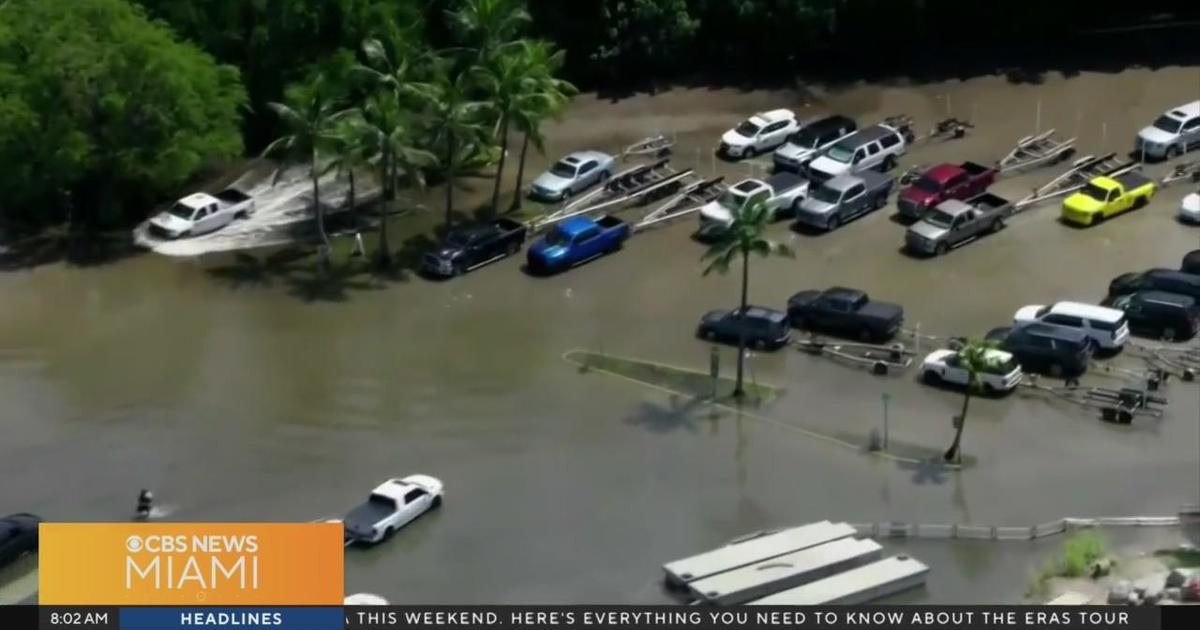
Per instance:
(747,129)
(939,218)
(840,153)
(557,237)
(826,194)
(732,201)
(1168,124)
(562,169)
(181,211)
(1095,192)
(928,185)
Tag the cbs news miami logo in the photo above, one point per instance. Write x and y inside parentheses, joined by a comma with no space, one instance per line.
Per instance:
(187,564)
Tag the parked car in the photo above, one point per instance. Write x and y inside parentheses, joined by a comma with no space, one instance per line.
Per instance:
(1168,280)
(1106,196)
(764,328)
(843,198)
(953,223)
(576,241)
(1106,327)
(1172,133)
(1189,208)
(18,536)
(781,193)
(474,246)
(1001,373)
(806,144)
(877,147)
(1056,350)
(761,132)
(201,213)
(1159,314)
(941,183)
(845,311)
(573,174)
(1191,262)
(392,505)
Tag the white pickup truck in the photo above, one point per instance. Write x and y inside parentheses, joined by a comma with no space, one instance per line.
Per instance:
(201,213)
(392,505)
(782,194)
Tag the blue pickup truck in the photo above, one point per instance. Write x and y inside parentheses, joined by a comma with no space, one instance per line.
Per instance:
(576,240)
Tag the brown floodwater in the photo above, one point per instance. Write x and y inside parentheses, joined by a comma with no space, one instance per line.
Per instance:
(241,392)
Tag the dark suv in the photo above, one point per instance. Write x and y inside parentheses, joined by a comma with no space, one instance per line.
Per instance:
(18,535)
(1159,314)
(763,327)
(1168,280)
(1056,350)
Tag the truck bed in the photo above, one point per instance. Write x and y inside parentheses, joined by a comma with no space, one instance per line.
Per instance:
(975,169)
(883,312)
(608,222)
(988,202)
(507,226)
(361,519)
(1132,180)
(232,196)
(784,180)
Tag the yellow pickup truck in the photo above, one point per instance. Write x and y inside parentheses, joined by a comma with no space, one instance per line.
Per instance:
(1106,196)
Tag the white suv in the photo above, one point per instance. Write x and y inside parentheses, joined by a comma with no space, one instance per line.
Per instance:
(878,147)
(1171,134)
(760,132)
(1107,327)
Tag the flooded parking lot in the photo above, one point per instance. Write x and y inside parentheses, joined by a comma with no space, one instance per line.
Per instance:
(239,396)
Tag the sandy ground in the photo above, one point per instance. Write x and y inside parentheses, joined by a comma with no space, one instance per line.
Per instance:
(247,389)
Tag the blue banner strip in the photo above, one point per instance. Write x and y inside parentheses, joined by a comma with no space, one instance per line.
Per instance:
(216,618)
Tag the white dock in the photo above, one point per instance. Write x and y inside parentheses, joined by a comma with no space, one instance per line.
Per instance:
(760,579)
(752,549)
(856,586)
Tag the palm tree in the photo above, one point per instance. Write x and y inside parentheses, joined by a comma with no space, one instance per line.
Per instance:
(742,238)
(308,115)
(507,80)
(347,154)
(483,25)
(455,123)
(545,98)
(389,136)
(976,357)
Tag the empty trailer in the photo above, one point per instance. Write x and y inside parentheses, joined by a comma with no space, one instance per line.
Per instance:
(751,549)
(783,572)
(856,586)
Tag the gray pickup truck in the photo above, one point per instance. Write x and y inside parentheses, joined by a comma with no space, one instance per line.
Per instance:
(952,223)
(843,198)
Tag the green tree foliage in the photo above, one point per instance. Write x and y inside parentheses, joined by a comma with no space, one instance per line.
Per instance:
(103,111)
(977,357)
(735,244)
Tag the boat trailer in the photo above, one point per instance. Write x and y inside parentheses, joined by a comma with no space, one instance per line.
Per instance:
(635,185)
(1182,362)
(1119,405)
(880,359)
(1081,172)
(1186,171)
(657,146)
(1037,150)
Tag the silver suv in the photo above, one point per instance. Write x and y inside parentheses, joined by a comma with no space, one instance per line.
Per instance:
(1171,134)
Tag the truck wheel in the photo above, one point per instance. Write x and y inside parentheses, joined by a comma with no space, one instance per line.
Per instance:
(834,222)
(512,248)
(1170,334)
(879,202)
(1173,152)
(889,163)
(1140,202)
(997,225)
(865,334)
(759,344)
(1055,370)
(437,502)
(932,378)
(709,334)
(941,248)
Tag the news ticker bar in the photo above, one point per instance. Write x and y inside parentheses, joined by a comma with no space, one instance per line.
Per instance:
(616,617)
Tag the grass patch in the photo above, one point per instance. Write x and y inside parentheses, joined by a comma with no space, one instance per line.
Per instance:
(683,381)
(1180,558)
(1075,560)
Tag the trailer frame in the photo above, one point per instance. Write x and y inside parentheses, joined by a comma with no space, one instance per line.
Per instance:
(1037,150)
(881,359)
(1183,171)
(1081,172)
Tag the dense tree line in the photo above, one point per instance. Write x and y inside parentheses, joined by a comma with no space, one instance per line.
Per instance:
(107,106)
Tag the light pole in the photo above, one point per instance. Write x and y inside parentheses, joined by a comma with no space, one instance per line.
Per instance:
(885,397)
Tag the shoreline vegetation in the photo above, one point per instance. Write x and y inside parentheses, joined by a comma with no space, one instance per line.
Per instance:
(419,93)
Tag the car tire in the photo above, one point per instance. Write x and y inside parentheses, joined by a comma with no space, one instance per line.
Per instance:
(988,389)
(1170,334)
(1173,152)
(750,153)
(865,335)
(1056,370)
(997,225)
(436,503)
(512,248)
(932,378)
(604,175)
(709,334)
(834,222)
(880,202)
(759,344)
(388,533)
(941,248)
(889,163)
(567,194)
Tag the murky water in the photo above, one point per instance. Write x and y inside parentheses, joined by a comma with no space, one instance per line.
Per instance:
(246,393)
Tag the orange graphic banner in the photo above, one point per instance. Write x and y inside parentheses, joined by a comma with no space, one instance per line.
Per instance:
(188,564)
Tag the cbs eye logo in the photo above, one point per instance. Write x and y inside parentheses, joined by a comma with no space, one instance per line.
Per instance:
(134,544)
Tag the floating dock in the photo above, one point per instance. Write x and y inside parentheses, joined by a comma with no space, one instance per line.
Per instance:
(856,586)
(751,549)
(760,579)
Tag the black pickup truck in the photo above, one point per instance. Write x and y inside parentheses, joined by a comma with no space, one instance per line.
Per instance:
(847,312)
(472,246)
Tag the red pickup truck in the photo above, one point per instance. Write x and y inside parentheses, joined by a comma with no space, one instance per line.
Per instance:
(944,182)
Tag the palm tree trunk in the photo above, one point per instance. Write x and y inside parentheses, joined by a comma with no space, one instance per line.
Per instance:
(954,453)
(389,192)
(500,168)
(319,212)
(739,390)
(516,199)
(449,182)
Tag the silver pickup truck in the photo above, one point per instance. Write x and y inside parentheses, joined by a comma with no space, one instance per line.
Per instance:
(843,198)
(953,223)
